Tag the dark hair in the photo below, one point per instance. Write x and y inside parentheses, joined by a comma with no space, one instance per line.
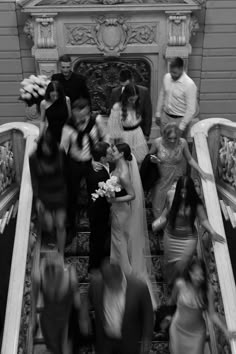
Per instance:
(100,150)
(125,75)
(52,143)
(204,288)
(177,63)
(80,104)
(65,58)
(125,148)
(55,86)
(192,200)
(129,91)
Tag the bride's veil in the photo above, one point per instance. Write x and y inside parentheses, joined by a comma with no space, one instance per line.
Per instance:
(139,245)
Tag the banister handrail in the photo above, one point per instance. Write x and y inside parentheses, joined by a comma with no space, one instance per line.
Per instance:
(19,255)
(199,132)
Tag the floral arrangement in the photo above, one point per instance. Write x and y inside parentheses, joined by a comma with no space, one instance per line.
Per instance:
(33,89)
(107,189)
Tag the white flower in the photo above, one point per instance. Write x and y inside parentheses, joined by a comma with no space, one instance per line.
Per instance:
(29,88)
(22,91)
(35,94)
(32,78)
(26,96)
(41,92)
(25,82)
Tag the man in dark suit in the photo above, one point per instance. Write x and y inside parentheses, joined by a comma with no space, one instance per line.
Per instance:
(144,96)
(99,210)
(123,312)
(74,84)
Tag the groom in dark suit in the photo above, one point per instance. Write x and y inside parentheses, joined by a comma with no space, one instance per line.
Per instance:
(145,100)
(99,210)
(123,312)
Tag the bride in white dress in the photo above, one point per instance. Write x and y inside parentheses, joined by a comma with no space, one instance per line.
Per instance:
(129,233)
(124,123)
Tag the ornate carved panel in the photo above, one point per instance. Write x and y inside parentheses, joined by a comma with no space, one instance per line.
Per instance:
(102,76)
(227,162)
(111,35)
(45,32)
(7,166)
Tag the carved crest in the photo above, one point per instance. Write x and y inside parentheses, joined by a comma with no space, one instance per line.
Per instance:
(111,35)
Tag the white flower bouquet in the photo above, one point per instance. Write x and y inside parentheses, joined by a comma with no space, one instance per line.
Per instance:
(107,189)
(33,89)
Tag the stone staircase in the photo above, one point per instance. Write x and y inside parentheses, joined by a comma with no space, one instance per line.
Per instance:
(77,254)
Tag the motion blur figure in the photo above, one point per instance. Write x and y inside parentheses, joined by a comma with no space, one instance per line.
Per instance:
(123,312)
(59,289)
(47,168)
(193,297)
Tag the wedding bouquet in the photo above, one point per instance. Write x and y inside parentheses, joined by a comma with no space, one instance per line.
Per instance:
(33,89)
(107,189)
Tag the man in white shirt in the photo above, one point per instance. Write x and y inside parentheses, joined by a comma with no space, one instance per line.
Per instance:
(123,312)
(177,101)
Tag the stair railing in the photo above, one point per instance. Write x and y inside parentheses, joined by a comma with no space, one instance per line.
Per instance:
(200,132)
(28,133)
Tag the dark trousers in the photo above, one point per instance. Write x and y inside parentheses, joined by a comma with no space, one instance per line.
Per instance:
(100,236)
(76,171)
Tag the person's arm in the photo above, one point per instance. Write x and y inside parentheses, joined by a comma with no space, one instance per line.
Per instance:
(193,163)
(160,104)
(42,124)
(75,287)
(202,216)
(68,103)
(66,138)
(147,319)
(146,122)
(160,222)
(102,129)
(214,317)
(191,104)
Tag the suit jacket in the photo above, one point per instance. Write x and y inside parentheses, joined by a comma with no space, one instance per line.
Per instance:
(75,87)
(145,106)
(97,210)
(137,324)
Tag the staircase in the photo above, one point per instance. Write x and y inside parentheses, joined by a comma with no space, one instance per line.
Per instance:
(77,254)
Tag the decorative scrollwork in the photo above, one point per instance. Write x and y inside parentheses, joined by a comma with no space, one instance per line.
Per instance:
(193,25)
(7,166)
(103,76)
(177,30)
(111,35)
(29,29)
(45,34)
(227,161)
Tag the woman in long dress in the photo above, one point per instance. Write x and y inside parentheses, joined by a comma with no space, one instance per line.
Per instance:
(55,110)
(180,236)
(124,123)
(194,299)
(59,288)
(129,233)
(171,154)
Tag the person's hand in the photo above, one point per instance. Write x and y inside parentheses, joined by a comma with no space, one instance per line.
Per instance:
(158,120)
(230,335)
(207,176)
(154,159)
(218,238)
(39,206)
(96,166)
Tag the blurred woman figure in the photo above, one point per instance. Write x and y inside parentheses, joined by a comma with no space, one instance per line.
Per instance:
(171,153)
(47,167)
(59,288)
(124,123)
(55,110)
(194,299)
(180,236)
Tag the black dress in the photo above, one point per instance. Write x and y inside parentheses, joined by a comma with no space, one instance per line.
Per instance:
(57,115)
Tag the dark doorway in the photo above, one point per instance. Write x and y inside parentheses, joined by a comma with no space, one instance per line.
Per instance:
(103,75)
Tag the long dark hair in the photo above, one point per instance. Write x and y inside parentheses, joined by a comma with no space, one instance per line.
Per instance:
(51,142)
(130,90)
(125,148)
(192,200)
(55,86)
(203,290)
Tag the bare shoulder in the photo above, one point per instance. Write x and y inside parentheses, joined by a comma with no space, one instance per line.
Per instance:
(179,283)
(116,106)
(67,99)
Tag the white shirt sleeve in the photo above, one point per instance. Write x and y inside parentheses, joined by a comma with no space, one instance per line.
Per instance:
(191,105)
